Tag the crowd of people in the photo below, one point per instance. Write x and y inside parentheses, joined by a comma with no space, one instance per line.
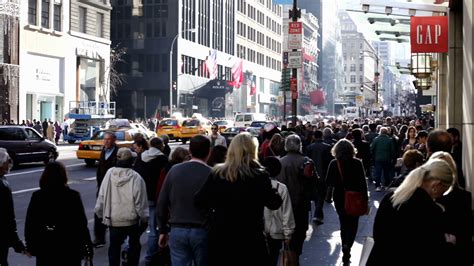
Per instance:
(50,130)
(242,204)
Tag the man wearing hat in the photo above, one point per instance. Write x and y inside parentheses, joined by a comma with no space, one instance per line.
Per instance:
(122,205)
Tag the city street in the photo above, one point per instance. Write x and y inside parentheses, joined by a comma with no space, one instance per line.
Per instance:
(322,246)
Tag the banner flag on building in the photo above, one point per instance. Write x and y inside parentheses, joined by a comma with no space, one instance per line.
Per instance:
(251,85)
(237,74)
(211,63)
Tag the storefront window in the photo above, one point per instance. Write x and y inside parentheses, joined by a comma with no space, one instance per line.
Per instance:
(89,72)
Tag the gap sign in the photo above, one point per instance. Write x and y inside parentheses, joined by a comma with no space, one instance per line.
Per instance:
(429,34)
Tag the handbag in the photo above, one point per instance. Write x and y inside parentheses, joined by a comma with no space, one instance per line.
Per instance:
(288,257)
(366,249)
(355,202)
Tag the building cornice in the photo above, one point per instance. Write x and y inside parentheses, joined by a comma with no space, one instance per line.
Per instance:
(89,37)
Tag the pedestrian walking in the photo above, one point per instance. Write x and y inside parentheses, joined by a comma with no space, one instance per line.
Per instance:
(39,128)
(108,159)
(8,231)
(345,172)
(149,164)
(122,205)
(53,211)
(320,153)
(166,146)
(237,192)
(382,150)
(279,223)
(410,222)
(45,125)
(57,132)
(299,187)
(187,231)
(50,132)
(216,138)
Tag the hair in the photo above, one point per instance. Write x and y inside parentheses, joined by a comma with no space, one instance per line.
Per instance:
(411,158)
(4,157)
(318,134)
(293,143)
(200,146)
(276,143)
(327,132)
(180,155)
(272,165)
(110,133)
(445,156)
(433,169)
(373,127)
(165,138)
(439,140)
(217,156)
(403,131)
(453,131)
(242,158)
(408,131)
(142,143)
(365,128)
(343,149)
(384,130)
(357,134)
(54,176)
(156,143)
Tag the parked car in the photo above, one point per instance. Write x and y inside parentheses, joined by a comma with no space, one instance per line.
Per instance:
(231,132)
(90,150)
(25,145)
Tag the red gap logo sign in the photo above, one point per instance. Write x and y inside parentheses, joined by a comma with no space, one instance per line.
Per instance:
(429,34)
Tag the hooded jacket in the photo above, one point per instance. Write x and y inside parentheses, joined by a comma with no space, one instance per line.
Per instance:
(149,165)
(122,199)
(280,223)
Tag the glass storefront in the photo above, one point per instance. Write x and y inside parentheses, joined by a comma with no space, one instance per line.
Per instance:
(89,73)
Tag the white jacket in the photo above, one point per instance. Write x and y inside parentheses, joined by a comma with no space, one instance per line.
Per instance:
(280,223)
(122,198)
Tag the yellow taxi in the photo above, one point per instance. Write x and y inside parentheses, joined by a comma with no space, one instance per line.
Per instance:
(90,150)
(171,127)
(197,125)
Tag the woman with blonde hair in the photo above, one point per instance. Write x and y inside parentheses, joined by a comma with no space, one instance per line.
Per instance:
(236,193)
(410,222)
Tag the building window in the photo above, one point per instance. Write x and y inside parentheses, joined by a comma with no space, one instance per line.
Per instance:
(82,19)
(57,17)
(361,67)
(32,12)
(45,13)
(353,68)
(99,25)
(353,79)
(361,79)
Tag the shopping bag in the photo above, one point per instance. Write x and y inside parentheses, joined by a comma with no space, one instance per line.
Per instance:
(288,257)
(366,249)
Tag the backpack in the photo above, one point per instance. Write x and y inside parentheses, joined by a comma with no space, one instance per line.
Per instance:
(311,177)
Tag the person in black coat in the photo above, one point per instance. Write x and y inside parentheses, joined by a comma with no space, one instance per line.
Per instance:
(8,232)
(345,172)
(108,159)
(237,193)
(320,153)
(56,230)
(363,149)
(409,227)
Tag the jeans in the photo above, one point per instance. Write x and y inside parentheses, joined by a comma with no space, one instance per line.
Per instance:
(386,168)
(117,237)
(152,248)
(319,200)
(188,246)
(274,247)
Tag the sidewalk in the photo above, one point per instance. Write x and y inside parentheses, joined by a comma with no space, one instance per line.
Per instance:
(323,243)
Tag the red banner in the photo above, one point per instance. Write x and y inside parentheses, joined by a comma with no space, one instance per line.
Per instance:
(317,97)
(429,34)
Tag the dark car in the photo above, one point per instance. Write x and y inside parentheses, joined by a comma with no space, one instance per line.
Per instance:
(24,145)
(231,132)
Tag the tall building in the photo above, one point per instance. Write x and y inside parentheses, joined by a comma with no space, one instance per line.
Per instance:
(330,72)
(64,58)
(259,42)
(9,59)
(360,65)
(307,74)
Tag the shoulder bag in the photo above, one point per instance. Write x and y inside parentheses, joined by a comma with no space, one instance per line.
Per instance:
(355,202)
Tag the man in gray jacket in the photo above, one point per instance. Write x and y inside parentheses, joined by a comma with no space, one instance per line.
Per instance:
(188,234)
(122,205)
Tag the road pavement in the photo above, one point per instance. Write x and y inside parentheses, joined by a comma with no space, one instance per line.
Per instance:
(322,246)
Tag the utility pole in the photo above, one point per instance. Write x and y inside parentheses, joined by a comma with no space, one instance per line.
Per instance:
(294,15)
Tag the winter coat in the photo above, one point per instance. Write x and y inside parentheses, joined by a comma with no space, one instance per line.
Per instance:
(280,223)
(50,133)
(122,199)
(56,226)
(382,148)
(149,165)
(105,164)
(8,231)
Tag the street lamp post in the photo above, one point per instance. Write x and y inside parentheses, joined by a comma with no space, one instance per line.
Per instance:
(171,71)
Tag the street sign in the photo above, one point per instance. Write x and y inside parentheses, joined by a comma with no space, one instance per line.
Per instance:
(285,59)
(294,95)
(295,59)
(359,100)
(295,30)
(293,85)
